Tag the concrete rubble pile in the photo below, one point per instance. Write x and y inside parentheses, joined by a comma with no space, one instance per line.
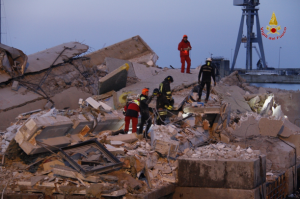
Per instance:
(65,141)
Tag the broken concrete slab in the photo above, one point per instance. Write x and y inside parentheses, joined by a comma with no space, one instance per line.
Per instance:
(8,116)
(161,140)
(134,49)
(48,130)
(71,173)
(247,127)
(128,138)
(114,63)
(209,193)
(72,94)
(280,154)
(44,59)
(16,58)
(289,129)
(115,80)
(49,165)
(269,127)
(234,97)
(10,98)
(222,173)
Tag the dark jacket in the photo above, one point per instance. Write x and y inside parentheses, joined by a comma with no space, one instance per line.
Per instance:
(207,71)
(163,103)
(144,104)
(182,45)
(165,89)
(132,109)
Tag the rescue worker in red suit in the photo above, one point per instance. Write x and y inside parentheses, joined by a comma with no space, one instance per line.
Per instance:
(132,110)
(184,47)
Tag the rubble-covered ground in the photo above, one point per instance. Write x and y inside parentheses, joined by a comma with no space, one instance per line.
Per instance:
(67,143)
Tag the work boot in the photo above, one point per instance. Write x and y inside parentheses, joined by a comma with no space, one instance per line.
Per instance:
(199,100)
(206,100)
(118,132)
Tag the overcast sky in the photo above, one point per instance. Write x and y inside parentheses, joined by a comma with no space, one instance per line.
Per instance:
(211,25)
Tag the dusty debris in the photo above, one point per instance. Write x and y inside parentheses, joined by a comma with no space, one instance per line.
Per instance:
(242,131)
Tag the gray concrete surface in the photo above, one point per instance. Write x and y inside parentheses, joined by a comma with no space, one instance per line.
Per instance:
(131,48)
(43,59)
(10,98)
(222,173)
(69,98)
(216,193)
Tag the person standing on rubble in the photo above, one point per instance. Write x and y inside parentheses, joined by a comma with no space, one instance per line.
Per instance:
(207,71)
(184,47)
(165,89)
(162,107)
(144,108)
(131,110)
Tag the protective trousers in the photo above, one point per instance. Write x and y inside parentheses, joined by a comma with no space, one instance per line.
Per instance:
(134,123)
(145,119)
(162,115)
(207,89)
(188,61)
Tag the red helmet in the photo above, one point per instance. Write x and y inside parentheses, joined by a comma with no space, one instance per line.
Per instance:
(145,90)
(184,36)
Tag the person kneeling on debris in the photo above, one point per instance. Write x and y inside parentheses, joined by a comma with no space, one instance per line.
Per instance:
(162,106)
(207,71)
(131,110)
(144,108)
(165,89)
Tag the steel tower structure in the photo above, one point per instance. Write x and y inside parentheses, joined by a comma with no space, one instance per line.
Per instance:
(250,11)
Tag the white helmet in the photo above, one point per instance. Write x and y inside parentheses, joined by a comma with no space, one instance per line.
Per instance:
(208,59)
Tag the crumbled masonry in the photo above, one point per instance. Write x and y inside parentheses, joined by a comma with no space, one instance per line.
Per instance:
(60,131)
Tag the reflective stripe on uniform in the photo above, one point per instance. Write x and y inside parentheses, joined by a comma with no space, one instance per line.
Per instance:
(163,112)
(143,98)
(169,93)
(160,87)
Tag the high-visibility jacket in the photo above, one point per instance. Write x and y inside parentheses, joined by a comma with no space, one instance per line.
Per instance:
(207,71)
(163,104)
(165,89)
(144,104)
(132,109)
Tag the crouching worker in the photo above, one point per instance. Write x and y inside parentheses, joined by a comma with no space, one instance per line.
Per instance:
(131,110)
(162,106)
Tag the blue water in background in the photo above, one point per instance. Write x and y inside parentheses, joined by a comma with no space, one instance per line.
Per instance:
(280,86)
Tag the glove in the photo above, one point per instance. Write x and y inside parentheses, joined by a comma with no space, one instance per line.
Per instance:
(124,112)
(215,83)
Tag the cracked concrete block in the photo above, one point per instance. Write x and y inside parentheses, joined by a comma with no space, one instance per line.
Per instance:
(128,138)
(161,141)
(247,127)
(43,59)
(222,173)
(269,127)
(49,130)
(209,193)
(115,80)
